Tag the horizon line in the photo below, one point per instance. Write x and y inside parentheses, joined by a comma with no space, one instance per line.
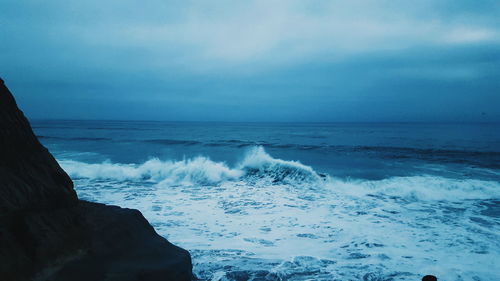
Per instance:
(268,122)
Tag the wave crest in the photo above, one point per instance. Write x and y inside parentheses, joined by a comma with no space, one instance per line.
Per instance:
(259,164)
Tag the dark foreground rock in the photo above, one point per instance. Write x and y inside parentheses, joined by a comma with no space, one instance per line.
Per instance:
(46,233)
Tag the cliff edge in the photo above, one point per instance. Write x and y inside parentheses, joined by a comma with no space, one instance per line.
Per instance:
(46,233)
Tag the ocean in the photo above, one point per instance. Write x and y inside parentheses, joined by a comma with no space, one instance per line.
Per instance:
(300,201)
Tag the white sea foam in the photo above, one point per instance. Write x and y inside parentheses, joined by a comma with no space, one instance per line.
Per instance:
(396,228)
(424,187)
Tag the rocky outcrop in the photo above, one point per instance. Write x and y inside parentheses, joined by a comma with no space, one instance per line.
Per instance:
(46,233)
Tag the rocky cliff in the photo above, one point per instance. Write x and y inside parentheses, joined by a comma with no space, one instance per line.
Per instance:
(46,233)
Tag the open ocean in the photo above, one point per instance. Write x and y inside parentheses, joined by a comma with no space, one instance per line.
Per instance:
(297,201)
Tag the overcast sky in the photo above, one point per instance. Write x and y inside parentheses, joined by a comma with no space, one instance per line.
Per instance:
(307,60)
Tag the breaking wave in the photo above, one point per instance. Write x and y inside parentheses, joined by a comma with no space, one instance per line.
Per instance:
(200,170)
(259,167)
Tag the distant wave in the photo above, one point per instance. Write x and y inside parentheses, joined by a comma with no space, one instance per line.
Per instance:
(480,158)
(388,151)
(339,148)
(95,128)
(486,159)
(489,159)
(173,142)
(258,167)
(75,138)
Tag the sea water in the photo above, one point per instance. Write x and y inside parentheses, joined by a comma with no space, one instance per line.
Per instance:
(265,201)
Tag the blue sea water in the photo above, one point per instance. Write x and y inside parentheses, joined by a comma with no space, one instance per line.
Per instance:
(297,201)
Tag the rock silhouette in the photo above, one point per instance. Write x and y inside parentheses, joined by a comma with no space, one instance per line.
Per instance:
(47,233)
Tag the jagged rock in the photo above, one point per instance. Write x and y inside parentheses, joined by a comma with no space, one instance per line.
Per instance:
(46,233)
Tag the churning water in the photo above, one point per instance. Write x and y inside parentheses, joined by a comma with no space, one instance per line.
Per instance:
(300,201)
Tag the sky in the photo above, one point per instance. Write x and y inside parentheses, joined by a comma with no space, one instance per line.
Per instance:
(258,61)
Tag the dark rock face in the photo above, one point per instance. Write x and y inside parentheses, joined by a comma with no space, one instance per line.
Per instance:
(30,177)
(46,233)
(124,246)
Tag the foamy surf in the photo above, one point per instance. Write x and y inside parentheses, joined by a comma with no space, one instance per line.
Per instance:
(421,188)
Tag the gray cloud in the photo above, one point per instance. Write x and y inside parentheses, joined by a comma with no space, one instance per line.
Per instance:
(253,60)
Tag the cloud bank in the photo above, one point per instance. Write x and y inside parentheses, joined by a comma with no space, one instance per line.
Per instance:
(254,60)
